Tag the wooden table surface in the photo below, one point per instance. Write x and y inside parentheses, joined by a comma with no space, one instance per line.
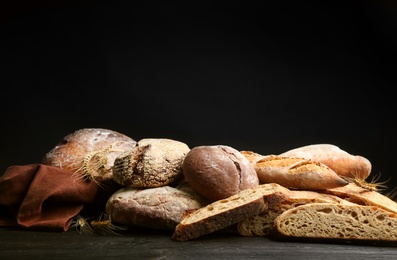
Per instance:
(23,244)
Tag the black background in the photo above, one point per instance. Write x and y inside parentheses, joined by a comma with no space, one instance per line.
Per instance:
(255,75)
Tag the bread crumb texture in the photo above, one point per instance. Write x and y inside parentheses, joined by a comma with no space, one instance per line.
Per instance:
(223,213)
(329,220)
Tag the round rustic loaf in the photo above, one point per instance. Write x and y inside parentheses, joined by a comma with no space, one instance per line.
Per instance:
(90,152)
(156,208)
(153,162)
(218,171)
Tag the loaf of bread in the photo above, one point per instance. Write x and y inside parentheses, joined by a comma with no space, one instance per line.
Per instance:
(226,212)
(153,162)
(340,222)
(297,173)
(155,208)
(89,152)
(340,161)
(218,171)
(263,223)
(253,157)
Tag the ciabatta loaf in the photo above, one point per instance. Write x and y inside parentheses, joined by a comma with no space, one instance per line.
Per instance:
(226,212)
(340,161)
(297,173)
(337,222)
(262,224)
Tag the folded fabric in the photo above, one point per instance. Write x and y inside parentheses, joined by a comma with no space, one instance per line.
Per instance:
(43,197)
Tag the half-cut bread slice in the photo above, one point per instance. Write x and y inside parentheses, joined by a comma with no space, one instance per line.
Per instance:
(262,224)
(337,222)
(227,212)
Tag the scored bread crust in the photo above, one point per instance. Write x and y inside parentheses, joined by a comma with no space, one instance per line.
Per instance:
(226,212)
(297,173)
(262,224)
(337,222)
(342,162)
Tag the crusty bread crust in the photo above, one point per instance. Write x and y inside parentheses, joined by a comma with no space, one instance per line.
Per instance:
(224,213)
(340,161)
(218,171)
(153,162)
(337,221)
(297,173)
(156,208)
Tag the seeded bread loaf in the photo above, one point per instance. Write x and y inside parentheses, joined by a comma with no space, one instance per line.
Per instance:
(339,222)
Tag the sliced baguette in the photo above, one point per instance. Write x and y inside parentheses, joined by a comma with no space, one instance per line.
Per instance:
(226,212)
(262,224)
(322,221)
(297,173)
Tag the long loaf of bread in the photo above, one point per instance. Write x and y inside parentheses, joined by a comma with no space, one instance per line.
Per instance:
(342,162)
(296,173)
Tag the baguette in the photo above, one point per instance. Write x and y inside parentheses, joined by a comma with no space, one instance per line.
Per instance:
(340,161)
(322,221)
(226,212)
(297,173)
(262,224)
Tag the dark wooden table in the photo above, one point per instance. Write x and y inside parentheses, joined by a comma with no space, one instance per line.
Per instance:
(22,244)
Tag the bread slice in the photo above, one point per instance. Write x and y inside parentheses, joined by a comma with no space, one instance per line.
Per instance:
(226,212)
(262,224)
(354,193)
(322,221)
